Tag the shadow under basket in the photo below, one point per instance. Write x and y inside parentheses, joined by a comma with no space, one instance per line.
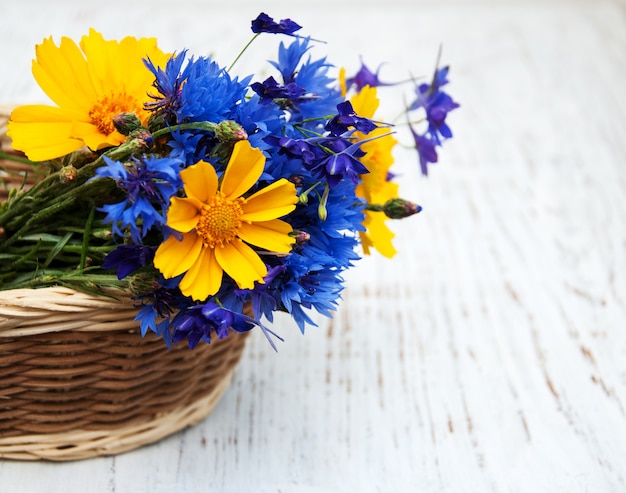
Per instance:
(77,380)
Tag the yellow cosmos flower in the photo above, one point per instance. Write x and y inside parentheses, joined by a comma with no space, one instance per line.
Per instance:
(218,224)
(89,84)
(375,188)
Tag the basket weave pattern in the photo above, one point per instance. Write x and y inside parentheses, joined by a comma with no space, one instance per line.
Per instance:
(77,380)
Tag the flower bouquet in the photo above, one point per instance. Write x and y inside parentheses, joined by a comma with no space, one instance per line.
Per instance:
(163,195)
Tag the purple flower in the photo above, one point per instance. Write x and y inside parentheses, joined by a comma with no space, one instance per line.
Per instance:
(197,322)
(426,150)
(265,24)
(301,148)
(365,77)
(437,105)
(346,118)
(128,258)
(270,90)
(342,163)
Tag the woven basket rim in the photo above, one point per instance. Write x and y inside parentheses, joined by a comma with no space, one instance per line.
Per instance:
(23,310)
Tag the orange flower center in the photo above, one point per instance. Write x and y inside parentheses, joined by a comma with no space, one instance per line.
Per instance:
(220,220)
(103,110)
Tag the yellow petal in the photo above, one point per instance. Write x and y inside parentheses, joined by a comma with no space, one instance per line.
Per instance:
(378,235)
(173,257)
(99,60)
(241,263)
(342,81)
(37,134)
(42,141)
(104,74)
(183,214)
(271,202)
(365,102)
(204,278)
(36,113)
(270,235)
(63,75)
(119,64)
(244,169)
(200,181)
(92,137)
(388,190)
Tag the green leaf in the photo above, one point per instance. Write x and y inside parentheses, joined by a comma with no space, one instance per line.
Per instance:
(86,233)
(57,249)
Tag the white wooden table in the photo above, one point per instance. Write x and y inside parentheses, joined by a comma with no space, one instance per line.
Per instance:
(490,354)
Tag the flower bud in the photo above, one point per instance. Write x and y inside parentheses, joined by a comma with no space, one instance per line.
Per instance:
(125,123)
(141,139)
(156,122)
(143,284)
(322,212)
(296,180)
(67,174)
(399,208)
(301,237)
(230,131)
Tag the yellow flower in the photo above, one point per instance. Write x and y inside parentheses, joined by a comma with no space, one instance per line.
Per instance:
(217,224)
(89,88)
(375,187)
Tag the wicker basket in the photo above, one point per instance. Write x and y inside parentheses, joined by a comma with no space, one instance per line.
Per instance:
(77,380)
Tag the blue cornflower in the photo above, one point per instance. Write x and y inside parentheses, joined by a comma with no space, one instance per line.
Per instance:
(148,184)
(262,297)
(168,84)
(265,24)
(202,91)
(209,94)
(190,147)
(163,301)
(306,287)
(437,104)
(147,317)
(259,120)
(127,259)
(312,75)
(197,322)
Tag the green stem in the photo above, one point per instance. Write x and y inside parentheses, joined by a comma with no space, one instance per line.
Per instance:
(88,225)
(242,52)
(50,186)
(12,157)
(24,258)
(65,200)
(209,126)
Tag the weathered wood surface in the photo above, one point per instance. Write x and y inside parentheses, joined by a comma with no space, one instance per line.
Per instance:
(490,355)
